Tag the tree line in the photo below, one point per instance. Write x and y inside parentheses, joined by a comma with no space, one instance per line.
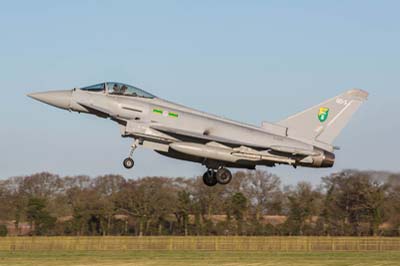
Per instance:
(348,203)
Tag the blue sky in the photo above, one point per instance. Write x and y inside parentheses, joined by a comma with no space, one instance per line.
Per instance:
(246,60)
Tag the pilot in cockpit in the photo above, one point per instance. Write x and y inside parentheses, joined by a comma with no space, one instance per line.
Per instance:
(116,89)
(123,89)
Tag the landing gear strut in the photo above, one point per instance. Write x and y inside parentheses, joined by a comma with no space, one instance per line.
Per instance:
(128,162)
(221,176)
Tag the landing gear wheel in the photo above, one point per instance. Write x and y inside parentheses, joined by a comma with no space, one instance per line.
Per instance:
(209,178)
(128,163)
(223,176)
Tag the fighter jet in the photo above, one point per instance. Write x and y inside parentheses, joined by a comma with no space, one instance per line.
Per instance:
(304,139)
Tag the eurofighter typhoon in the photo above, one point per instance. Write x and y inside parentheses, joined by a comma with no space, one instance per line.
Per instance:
(304,139)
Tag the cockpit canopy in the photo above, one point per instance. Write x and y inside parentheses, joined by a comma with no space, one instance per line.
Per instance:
(117,88)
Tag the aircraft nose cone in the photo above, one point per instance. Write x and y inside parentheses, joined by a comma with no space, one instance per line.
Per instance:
(60,99)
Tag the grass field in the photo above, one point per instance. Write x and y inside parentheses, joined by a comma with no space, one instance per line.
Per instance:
(171,243)
(180,258)
(232,251)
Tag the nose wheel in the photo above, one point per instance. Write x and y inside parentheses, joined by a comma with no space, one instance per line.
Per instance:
(128,162)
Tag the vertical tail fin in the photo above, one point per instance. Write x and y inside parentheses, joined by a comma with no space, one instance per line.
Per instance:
(325,121)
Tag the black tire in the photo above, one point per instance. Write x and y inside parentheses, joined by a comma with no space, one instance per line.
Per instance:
(128,163)
(209,178)
(223,176)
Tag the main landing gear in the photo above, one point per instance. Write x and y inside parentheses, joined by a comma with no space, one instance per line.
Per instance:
(221,176)
(128,162)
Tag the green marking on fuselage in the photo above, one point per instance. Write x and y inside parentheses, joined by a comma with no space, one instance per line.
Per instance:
(162,112)
(158,111)
(171,114)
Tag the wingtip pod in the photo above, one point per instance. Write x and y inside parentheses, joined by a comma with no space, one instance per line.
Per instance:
(358,94)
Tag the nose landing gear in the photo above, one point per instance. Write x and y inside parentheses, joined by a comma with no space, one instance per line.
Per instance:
(221,176)
(128,162)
